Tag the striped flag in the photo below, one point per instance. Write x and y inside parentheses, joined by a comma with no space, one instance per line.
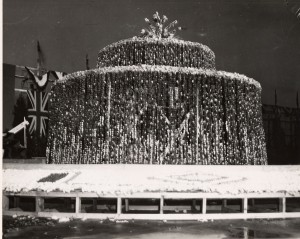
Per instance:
(38,112)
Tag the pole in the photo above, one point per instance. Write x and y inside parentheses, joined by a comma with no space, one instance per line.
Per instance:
(39,60)
(25,137)
(87,62)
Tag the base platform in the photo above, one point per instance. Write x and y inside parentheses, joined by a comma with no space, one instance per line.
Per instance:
(152,192)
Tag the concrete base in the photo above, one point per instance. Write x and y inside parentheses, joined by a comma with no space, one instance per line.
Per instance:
(37,160)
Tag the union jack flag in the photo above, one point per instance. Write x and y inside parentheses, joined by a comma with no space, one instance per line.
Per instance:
(38,113)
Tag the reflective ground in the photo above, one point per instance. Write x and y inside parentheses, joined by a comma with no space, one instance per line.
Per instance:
(25,227)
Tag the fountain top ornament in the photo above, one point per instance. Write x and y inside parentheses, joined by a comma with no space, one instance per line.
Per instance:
(157,45)
(159,29)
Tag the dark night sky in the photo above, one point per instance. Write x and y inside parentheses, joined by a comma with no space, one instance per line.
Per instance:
(260,39)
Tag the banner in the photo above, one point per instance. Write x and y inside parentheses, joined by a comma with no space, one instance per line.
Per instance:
(26,93)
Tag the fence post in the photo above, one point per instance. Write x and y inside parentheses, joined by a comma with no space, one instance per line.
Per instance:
(126,205)
(224,204)
(204,200)
(39,204)
(94,204)
(245,205)
(282,205)
(16,202)
(161,208)
(5,202)
(119,205)
(78,205)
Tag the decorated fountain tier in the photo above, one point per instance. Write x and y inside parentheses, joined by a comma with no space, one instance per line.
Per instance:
(158,115)
(155,99)
(154,51)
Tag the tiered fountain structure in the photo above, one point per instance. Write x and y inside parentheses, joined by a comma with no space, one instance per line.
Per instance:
(155,99)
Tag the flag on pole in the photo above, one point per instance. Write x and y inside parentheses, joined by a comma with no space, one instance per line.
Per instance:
(26,95)
(38,113)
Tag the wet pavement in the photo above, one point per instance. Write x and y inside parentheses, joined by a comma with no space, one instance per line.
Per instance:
(22,227)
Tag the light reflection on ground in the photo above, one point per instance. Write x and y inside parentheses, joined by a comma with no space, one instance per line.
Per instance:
(225,229)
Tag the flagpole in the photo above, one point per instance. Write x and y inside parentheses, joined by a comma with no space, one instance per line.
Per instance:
(87,62)
(25,138)
(39,60)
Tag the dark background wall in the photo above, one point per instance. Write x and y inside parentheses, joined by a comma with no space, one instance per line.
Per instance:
(260,39)
(8,96)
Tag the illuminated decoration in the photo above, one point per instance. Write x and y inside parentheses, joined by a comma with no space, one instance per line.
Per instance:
(158,28)
(156,100)
(149,51)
